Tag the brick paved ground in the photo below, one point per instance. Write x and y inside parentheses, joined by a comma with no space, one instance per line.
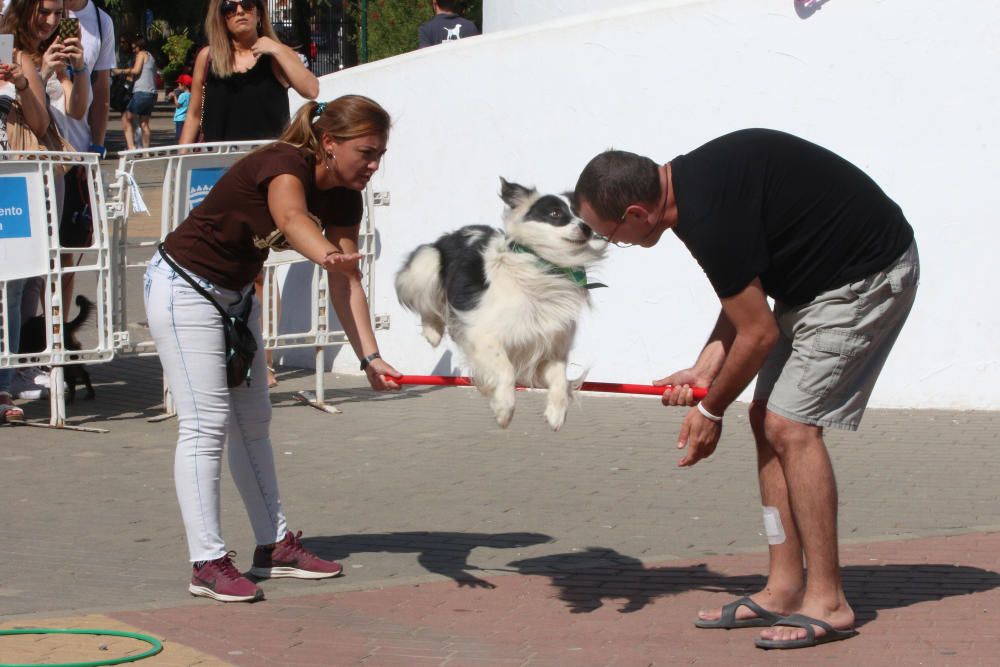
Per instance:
(467,545)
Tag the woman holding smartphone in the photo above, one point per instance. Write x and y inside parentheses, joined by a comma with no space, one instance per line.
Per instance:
(57,58)
(19,84)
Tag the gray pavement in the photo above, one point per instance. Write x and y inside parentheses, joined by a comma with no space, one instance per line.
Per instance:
(430,506)
(424,483)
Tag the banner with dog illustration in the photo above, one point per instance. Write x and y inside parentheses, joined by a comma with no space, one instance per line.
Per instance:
(24,242)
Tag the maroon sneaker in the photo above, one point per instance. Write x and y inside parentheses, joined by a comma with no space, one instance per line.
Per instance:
(220,580)
(288,558)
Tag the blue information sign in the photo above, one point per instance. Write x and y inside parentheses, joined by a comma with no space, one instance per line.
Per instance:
(15,222)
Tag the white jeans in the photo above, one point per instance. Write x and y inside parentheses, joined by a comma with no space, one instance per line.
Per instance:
(189,338)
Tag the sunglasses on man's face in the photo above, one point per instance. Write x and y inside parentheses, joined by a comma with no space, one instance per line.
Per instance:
(228,7)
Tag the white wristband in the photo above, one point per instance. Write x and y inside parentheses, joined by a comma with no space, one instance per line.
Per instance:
(708,415)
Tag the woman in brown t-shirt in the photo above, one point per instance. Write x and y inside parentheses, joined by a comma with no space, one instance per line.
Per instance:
(303,192)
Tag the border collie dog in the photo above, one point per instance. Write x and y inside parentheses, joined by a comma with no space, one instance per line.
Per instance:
(510,299)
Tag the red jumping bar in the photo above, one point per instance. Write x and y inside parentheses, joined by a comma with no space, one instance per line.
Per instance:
(609,387)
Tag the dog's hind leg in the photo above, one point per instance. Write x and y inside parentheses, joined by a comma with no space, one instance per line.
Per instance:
(495,377)
(554,375)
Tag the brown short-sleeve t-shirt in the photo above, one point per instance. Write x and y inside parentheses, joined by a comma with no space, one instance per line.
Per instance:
(227,237)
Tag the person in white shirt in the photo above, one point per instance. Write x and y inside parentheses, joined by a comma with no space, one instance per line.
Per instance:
(97,33)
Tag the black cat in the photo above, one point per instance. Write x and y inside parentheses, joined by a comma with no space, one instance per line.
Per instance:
(33,340)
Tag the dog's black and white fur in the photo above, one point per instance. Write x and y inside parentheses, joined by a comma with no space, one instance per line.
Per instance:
(33,339)
(509,299)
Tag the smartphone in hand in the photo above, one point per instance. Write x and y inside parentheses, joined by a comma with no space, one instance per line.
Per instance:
(68,27)
(6,49)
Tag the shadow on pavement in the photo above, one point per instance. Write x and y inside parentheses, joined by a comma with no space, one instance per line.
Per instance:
(130,388)
(444,553)
(891,586)
(585,579)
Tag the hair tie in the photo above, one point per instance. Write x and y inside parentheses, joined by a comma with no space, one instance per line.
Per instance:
(318,111)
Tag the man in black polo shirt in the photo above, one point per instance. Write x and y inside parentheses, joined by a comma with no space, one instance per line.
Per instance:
(767,214)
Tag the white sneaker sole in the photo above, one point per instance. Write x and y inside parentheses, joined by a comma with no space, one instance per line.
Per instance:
(291,573)
(202,592)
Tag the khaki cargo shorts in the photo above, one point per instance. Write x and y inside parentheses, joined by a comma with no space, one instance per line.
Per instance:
(824,366)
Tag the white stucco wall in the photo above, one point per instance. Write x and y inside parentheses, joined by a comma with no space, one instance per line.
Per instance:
(509,14)
(906,89)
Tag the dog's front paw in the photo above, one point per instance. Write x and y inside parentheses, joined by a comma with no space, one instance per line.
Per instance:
(503,410)
(555,416)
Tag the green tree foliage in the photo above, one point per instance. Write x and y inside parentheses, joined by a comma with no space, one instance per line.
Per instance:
(179,14)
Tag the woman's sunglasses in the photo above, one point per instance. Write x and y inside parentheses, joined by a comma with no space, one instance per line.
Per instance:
(228,7)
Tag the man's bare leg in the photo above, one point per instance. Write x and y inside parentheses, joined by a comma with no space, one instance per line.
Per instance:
(812,495)
(786,579)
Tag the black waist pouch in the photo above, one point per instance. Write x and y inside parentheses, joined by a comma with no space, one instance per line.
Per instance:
(241,346)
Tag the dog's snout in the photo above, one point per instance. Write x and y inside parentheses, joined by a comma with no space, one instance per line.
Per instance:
(587,231)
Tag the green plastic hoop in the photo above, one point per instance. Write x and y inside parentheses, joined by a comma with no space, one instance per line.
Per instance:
(155,644)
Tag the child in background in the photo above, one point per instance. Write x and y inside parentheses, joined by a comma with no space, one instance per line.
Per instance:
(182,97)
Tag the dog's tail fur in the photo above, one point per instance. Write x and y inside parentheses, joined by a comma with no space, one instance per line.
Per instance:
(419,288)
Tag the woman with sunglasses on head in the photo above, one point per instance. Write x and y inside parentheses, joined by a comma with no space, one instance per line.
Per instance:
(302,192)
(241,78)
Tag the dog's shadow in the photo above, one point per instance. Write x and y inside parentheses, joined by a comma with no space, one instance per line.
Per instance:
(441,552)
(586,579)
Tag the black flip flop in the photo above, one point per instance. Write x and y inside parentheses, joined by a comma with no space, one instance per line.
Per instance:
(728,620)
(807,623)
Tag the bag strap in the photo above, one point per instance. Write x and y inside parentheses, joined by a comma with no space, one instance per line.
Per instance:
(100,38)
(191,281)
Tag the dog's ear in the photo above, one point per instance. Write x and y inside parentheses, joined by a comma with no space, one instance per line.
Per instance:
(513,193)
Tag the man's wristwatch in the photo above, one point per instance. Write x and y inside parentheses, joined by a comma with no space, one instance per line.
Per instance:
(100,150)
(370,358)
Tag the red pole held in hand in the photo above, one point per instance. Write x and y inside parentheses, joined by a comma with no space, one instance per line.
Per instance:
(609,387)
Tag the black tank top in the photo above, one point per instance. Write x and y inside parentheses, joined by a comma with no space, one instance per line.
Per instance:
(245,105)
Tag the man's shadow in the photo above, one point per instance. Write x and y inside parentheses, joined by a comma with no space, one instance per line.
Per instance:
(444,553)
(586,579)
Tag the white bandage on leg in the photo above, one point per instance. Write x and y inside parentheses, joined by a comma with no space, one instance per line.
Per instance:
(772,525)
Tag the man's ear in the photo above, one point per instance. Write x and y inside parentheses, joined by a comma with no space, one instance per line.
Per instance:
(641,212)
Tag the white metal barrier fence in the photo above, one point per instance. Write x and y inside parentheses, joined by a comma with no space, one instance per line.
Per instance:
(124,239)
(179,178)
(31,187)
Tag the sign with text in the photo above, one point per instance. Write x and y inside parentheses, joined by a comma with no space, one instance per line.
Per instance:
(23,242)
